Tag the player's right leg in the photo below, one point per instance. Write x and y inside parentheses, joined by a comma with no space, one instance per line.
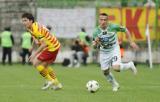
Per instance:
(56,84)
(110,78)
(105,61)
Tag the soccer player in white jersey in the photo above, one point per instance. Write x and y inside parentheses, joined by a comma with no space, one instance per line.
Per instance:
(105,36)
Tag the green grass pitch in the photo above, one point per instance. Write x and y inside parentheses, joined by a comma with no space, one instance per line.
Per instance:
(23,84)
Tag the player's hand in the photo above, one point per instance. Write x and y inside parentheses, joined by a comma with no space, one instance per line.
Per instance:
(134,46)
(97,40)
(94,43)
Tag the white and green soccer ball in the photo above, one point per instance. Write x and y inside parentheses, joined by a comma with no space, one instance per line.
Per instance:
(92,86)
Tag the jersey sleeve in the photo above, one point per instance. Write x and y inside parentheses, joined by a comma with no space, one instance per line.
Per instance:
(119,28)
(95,34)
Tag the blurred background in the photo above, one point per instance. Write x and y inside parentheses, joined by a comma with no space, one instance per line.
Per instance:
(66,18)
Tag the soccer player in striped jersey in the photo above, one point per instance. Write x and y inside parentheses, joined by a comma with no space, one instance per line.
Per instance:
(105,36)
(47,51)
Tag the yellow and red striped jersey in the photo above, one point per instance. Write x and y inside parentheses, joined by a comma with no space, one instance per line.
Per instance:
(40,32)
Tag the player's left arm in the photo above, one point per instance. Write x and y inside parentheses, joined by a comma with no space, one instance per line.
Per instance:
(132,43)
(128,34)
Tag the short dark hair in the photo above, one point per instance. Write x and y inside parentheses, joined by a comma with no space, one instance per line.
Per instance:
(28,16)
(103,14)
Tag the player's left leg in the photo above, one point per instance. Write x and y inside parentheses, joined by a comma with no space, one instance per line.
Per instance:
(118,66)
(51,80)
(105,61)
(129,65)
(57,85)
(41,67)
(111,79)
(125,66)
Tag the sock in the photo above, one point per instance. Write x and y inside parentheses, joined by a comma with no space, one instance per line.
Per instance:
(53,75)
(44,72)
(125,66)
(111,79)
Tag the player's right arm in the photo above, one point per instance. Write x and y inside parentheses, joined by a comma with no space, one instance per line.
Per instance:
(95,41)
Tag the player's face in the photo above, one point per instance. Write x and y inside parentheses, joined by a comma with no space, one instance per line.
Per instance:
(26,22)
(103,21)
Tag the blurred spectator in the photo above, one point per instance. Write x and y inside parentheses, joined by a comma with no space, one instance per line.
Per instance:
(85,47)
(26,44)
(49,27)
(77,53)
(85,42)
(7,42)
(84,37)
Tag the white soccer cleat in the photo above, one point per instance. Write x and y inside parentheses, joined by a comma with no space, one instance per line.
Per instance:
(115,87)
(70,65)
(47,85)
(57,87)
(77,65)
(133,68)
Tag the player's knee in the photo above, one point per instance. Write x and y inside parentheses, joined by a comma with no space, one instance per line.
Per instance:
(34,63)
(106,72)
(116,68)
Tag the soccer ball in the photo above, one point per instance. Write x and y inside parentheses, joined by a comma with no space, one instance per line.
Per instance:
(92,86)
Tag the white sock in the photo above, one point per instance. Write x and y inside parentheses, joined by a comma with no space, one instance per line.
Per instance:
(111,79)
(125,66)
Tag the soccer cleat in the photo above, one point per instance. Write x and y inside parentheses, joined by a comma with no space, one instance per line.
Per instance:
(133,68)
(77,65)
(70,65)
(47,85)
(115,87)
(57,87)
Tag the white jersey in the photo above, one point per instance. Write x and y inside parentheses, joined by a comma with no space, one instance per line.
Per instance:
(108,37)
(109,47)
